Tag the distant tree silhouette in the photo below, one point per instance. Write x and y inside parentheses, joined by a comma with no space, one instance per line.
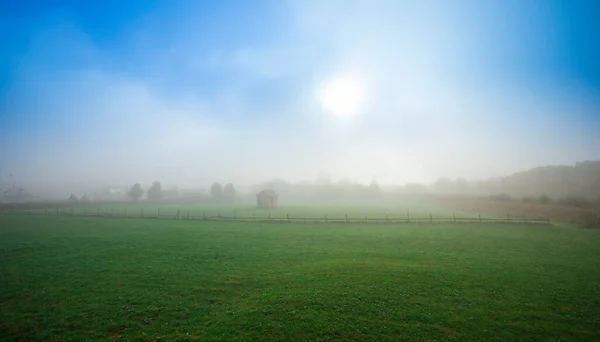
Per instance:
(135,192)
(568,182)
(216,190)
(155,192)
(229,192)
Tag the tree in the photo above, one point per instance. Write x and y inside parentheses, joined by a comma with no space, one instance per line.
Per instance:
(135,192)
(155,192)
(216,190)
(229,192)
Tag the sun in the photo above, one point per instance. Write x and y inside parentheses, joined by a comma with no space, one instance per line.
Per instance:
(342,97)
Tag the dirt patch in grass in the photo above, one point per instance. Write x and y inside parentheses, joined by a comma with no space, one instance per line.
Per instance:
(585,217)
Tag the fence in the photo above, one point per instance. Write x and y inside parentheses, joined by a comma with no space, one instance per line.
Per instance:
(186,215)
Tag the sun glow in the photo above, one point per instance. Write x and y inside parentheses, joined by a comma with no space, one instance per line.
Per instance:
(342,97)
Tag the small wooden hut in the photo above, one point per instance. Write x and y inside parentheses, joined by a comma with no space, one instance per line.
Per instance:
(266,199)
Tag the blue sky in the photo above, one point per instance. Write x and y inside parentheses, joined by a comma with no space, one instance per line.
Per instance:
(190,91)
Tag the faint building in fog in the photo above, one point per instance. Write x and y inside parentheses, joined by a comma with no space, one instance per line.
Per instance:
(266,199)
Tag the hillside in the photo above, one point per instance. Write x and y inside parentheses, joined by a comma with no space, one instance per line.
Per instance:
(579,180)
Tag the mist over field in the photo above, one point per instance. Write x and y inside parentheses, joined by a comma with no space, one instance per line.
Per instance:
(95,96)
(300,170)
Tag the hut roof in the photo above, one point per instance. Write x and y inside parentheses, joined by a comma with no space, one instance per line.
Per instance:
(267,192)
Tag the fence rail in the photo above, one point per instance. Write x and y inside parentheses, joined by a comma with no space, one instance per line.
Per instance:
(289,219)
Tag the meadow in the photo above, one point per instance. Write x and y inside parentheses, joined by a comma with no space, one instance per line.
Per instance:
(332,210)
(83,278)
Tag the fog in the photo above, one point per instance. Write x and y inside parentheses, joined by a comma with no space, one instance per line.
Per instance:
(189,96)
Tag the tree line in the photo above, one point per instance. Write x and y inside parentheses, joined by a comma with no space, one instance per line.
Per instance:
(156,193)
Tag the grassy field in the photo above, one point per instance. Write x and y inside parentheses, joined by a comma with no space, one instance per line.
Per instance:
(333,210)
(74,278)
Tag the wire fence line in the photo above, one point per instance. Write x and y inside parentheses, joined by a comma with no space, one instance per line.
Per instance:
(187,215)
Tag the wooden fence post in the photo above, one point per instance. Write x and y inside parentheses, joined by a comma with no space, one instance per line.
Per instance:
(304,218)
(430,217)
(288,217)
(507,218)
(454,217)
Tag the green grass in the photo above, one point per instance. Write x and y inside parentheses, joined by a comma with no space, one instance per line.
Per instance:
(73,278)
(339,210)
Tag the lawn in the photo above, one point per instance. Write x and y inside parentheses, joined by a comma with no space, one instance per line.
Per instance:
(77,278)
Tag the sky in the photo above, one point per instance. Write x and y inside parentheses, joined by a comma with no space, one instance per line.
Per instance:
(190,92)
